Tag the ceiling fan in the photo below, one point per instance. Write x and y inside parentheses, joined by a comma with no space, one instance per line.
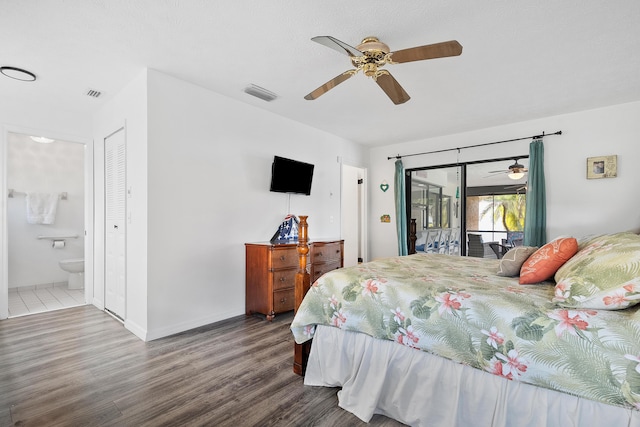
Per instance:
(520,187)
(371,55)
(515,171)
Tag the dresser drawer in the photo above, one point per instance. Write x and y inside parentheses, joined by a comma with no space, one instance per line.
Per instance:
(320,269)
(283,300)
(284,279)
(284,258)
(326,252)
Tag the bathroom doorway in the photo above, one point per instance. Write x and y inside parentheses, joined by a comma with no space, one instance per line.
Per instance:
(46,182)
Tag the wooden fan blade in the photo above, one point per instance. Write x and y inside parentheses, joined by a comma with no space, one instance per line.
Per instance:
(330,85)
(336,44)
(392,88)
(430,51)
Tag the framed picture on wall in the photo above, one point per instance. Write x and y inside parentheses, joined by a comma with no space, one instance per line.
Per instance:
(602,167)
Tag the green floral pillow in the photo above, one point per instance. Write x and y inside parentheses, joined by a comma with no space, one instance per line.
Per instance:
(603,275)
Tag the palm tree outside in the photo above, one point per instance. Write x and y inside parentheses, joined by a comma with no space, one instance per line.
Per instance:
(506,211)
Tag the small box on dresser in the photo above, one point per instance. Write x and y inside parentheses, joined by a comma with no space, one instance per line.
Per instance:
(271,270)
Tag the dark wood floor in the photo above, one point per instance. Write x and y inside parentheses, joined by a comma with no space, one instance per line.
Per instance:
(80,367)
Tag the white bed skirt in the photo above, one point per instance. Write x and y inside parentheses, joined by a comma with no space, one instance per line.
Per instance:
(420,389)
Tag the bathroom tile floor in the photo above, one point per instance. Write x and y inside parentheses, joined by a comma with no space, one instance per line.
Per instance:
(28,301)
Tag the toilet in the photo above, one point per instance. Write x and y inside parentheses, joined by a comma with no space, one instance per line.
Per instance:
(75,268)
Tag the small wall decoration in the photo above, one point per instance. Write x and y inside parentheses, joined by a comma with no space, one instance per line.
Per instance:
(385,218)
(384,186)
(602,167)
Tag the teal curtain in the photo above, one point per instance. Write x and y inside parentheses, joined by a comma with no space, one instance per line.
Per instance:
(401,211)
(535,226)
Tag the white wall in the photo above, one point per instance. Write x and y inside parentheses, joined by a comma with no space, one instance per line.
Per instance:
(209,172)
(199,167)
(575,205)
(128,109)
(51,168)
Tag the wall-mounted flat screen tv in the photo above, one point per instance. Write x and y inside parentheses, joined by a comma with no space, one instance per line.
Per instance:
(291,176)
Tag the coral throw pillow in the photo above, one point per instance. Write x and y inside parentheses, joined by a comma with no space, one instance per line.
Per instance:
(544,262)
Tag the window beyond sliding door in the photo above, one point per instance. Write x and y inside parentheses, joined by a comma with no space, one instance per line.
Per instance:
(493,216)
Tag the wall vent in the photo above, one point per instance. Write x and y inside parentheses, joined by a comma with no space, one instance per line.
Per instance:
(260,92)
(94,93)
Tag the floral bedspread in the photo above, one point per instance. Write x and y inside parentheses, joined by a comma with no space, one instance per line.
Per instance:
(458,308)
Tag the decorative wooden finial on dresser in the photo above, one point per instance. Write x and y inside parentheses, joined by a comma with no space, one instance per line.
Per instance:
(301,351)
(302,277)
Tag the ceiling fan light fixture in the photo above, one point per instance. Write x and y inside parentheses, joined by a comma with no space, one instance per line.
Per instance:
(516,175)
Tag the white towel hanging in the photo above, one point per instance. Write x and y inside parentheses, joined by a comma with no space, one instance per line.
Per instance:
(41,207)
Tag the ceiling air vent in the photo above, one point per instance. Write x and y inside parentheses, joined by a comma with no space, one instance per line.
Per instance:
(94,93)
(260,92)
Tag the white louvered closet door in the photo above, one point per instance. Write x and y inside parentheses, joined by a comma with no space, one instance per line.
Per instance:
(115,224)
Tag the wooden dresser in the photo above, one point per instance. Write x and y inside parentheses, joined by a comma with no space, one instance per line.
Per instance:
(271,271)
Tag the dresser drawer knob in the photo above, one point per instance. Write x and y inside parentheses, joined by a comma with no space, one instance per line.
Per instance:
(283,299)
(282,258)
(283,279)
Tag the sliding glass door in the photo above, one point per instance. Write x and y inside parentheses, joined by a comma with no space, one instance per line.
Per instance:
(483,198)
(495,202)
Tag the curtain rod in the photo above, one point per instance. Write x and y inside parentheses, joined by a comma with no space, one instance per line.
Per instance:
(477,145)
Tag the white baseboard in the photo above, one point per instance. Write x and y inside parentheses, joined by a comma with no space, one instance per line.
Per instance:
(154,334)
(136,329)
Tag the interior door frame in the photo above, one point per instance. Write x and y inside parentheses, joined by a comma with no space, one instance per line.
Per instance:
(362,194)
(89,226)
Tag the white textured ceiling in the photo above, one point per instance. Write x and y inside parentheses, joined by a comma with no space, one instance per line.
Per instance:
(521,60)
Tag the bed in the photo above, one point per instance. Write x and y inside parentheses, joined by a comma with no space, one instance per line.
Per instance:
(442,340)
